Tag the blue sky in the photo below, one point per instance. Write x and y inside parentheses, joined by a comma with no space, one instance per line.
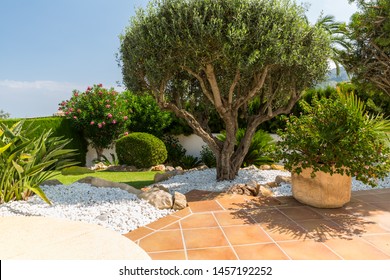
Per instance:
(50,47)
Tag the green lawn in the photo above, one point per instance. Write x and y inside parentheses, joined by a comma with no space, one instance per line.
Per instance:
(135,179)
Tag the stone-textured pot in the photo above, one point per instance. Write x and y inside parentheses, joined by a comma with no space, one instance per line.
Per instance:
(322,191)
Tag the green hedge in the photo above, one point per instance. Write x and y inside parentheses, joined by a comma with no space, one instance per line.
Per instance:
(60,127)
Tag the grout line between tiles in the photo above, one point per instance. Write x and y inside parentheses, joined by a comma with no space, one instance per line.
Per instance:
(183,240)
(376,247)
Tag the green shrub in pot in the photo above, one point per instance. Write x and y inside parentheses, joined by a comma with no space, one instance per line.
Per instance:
(337,136)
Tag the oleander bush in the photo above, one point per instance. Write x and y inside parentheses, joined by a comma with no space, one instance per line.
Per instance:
(141,149)
(27,160)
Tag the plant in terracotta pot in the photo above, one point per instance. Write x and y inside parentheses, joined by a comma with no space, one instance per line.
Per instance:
(331,142)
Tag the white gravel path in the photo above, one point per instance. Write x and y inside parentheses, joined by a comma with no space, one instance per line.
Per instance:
(122,212)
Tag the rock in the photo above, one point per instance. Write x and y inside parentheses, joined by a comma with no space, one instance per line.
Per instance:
(242,189)
(266,191)
(158,198)
(160,187)
(277,167)
(101,183)
(53,182)
(271,185)
(179,201)
(251,167)
(202,167)
(159,167)
(282,179)
(169,168)
(179,168)
(159,177)
(99,166)
(265,167)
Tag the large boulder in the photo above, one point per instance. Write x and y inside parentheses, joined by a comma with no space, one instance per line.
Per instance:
(101,183)
(179,201)
(158,198)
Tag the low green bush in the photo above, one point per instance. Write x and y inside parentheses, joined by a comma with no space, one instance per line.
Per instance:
(140,149)
(207,156)
(188,162)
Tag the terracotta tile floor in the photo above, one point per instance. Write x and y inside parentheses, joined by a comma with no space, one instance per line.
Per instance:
(229,227)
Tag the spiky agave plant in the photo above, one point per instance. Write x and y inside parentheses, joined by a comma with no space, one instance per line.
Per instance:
(27,161)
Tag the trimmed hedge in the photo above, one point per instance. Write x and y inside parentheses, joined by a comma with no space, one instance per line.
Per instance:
(140,149)
(60,127)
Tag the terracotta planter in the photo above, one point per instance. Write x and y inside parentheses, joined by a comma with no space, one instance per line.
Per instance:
(322,191)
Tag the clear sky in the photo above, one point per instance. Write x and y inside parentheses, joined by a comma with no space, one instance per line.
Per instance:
(50,47)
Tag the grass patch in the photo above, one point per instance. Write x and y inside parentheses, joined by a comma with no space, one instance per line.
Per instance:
(134,179)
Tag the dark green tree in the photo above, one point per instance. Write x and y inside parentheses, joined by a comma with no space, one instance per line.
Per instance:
(369,59)
(220,55)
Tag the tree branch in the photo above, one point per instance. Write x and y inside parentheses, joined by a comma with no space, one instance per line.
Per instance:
(233,86)
(210,74)
(201,82)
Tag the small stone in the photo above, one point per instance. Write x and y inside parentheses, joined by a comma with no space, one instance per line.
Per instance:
(179,168)
(169,168)
(265,167)
(251,167)
(53,182)
(159,199)
(282,179)
(271,185)
(179,201)
(159,167)
(277,167)
(266,191)
(202,167)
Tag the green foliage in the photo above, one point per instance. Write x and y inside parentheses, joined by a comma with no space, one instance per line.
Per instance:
(146,116)
(140,149)
(76,170)
(26,161)
(100,113)
(207,156)
(4,115)
(337,136)
(60,127)
(188,162)
(260,150)
(369,58)
(175,150)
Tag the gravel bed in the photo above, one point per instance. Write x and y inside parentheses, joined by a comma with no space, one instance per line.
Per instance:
(122,212)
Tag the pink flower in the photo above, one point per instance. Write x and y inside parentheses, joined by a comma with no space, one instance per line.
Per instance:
(108,106)
(113,121)
(67,113)
(103,123)
(71,109)
(107,101)
(92,123)
(76,94)
(89,88)
(100,85)
(125,118)
(100,93)
(126,133)
(109,116)
(99,125)
(75,117)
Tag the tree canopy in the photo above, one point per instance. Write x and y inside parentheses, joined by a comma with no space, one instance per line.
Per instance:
(369,58)
(198,56)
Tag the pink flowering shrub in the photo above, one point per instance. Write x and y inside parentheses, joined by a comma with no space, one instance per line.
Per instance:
(100,113)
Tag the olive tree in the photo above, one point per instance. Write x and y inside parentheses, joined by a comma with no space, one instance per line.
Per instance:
(197,57)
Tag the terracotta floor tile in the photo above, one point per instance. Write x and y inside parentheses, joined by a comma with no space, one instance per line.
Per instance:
(199,220)
(381,241)
(368,197)
(240,235)
(235,202)
(182,213)
(269,216)
(381,218)
(175,225)
(198,195)
(168,255)
(163,222)
(286,231)
(288,201)
(202,238)
(356,249)
(360,208)
(221,253)
(204,206)
(229,218)
(162,241)
(300,213)
(333,213)
(308,250)
(138,233)
(322,230)
(266,251)
(360,226)
(265,202)
(382,205)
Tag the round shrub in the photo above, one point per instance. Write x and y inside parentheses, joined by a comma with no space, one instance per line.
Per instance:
(141,150)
